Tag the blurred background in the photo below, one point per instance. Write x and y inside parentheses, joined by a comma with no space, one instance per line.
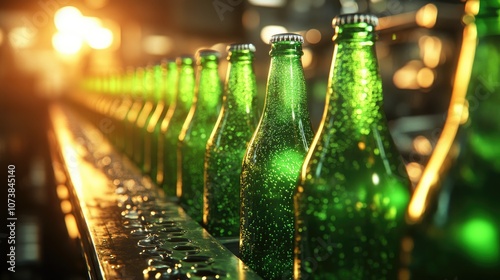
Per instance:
(48,46)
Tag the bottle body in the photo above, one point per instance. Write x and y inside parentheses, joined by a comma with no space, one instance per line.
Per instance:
(353,191)
(272,164)
(171,125)
(458,216)
(227,145)
(166,77)
(195,133)
(133,112)
(143,118)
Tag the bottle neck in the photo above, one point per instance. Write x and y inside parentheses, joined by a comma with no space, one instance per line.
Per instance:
(185,87)
(208,90)
(240,92)
(286,88)
(146,85)
(159,83)
(355,88)
(361,33)
(170,82)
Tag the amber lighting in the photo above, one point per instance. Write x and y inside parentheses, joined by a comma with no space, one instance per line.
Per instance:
(313,36)
(270,30)
(432,172)
(430,50)
(422,145)
(472,7)
(427,16)
(75,30)
(71,226)
(406,76)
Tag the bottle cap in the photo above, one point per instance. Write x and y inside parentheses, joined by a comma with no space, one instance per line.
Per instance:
(241,47)
(207,52)
(355,18)
(286,37)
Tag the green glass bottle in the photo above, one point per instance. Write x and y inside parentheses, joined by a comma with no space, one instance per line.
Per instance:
(272,162)
(120,115)
(166,82)
(454,212)
(227,144)
(171,125)
(353,191)
(133,111)
(148,93)
(195,132)
(110,124)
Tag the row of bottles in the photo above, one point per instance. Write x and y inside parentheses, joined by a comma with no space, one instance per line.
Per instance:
(326,205)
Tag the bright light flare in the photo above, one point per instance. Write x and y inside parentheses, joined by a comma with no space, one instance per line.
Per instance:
(67,42)
(100,38)
(268,31)
(76,29)
(68,19)
(427,16)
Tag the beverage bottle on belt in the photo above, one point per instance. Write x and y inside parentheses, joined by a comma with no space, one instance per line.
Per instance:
(272,162)
(110,124)
(166,76)
(227,144)
(195,132)
(353,191)
(454,211)
(120,115)
(133,112)
(171,125)
(144,116)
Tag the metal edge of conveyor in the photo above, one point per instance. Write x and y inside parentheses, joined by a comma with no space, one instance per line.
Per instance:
(61,174)
(129,230)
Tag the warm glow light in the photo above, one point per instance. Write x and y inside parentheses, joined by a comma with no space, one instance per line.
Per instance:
(71,226)
(425,77)
(62,191)
(96,4)
(307,58)
(427,16)
(66,206)
(431,174)
(21,37)
(268,3)
(100,38)
(414,170)
(68,19)
(251,19)
(270,30)
(422,145)
(67,42)
(157,44)
(313,36)
(70,22)
(472,7)
(406,76)
(430,50)
(1,36)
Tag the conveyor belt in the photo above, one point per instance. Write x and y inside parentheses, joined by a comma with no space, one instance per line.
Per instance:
(128,229)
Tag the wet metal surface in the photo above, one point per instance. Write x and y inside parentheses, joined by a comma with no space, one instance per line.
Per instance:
(129,230)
